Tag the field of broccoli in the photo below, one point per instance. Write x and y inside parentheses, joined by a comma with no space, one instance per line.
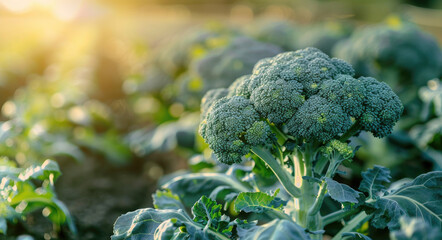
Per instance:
(218,120)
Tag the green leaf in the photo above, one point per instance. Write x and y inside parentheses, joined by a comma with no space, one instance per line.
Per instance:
(275,230)
(165,199)
(42,172)
(142,223)
(415,229)
(421,198)
(190,187)
(220,193)
(208,213)
(9,172)
(205,210)
(354,236)
(153,224)
(64,214)
(373,180)
(170,230)
(243,226)
(199,162)
(341,192)
(258,202)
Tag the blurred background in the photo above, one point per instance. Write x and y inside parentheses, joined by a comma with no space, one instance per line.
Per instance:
(110,91)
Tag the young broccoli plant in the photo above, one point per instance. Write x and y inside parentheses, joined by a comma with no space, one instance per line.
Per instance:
(299,108)
(294,117)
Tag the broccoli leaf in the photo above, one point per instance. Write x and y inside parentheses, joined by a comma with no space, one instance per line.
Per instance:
(150,224)
(413,228)
(142,223)
(223,193)
(170,229)
(165,199)
(191,187)
(420,198)
(41,172)
(206,210)
(275,230)
(9,172)
(208,213)
(258,202)
(354,236)
(341,192)
(373,179)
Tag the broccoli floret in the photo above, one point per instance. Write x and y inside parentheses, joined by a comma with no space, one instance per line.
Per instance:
(230,128)
(336,149)
(278,101)
(318,120)
(308,66)
(346,91)
(210,97)
(307,95)
(258,134)
(382,108)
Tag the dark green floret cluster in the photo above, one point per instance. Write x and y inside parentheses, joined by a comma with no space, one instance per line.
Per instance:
(232,126)
(306,95)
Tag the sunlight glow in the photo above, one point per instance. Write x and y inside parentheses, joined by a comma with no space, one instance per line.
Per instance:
(64,10)
(17,6)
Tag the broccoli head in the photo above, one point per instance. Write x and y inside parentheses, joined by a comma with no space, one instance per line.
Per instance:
(307,95)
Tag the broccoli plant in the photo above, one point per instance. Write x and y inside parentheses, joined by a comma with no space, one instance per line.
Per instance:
(51,118)
(292,118)
(23,191)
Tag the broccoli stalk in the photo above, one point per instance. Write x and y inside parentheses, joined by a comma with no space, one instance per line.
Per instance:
(297,112)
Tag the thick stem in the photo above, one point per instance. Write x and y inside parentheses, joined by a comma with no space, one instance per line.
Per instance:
(356,127)
(309,190)
(353,224)
(283,176)
(320,165)
(338,215)
(282,137)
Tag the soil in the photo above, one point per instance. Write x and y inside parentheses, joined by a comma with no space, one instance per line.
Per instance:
(97,193)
